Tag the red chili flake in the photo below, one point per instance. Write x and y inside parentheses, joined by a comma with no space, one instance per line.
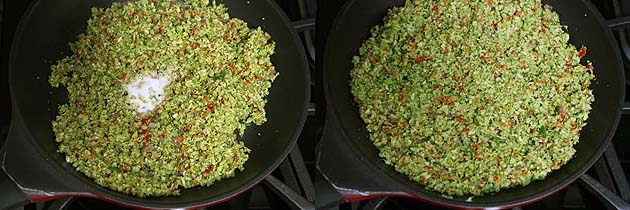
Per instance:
(154,1)
(543,29)
(178,139)
(437,86)
(210,106)
(459,118)
(147,138)
(144,121)
(456,78)
(105,22)
(448,100)
(207,97)
(466,131)
(589,66)
(489,2)
(460,89)
(402,98)
(78,103)
(142,131)
(247,64)
(582,52)
(475,147)
(193,32)
(209,169)
(435,8)
(478,157)
(560,76)
(421,59)
(123,75)
(386,130)
(194,44)
(569,65)
(247,81)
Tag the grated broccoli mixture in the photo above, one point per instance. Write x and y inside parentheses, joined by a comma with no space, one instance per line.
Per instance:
(218,71)
(469,97)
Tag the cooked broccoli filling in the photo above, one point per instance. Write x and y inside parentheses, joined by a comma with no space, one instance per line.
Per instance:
(469,97)
(214,72)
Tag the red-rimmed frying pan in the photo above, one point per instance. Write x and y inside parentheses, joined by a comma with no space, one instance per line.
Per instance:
(36,172)
(350,162)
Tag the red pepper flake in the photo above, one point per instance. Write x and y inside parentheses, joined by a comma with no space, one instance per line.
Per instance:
(435,8)
(147,138)
(123,75)
(402,98)
(459,118)
(194,44)
(460,89)
(207,97)
(247,64)
(386,130)
(144,121)
(421,59)
(489,2)
(582,52)
(142,131)
(105,22)
(475,147)
(569,65)
(448,100)
(543,29)
(193,32)
(478,157)
(154,1)
(208,169)
(178,139)
(518,13)
(210,106)
(78,103)
(589,66)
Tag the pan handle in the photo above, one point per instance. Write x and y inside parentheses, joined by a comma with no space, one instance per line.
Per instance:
(12,196)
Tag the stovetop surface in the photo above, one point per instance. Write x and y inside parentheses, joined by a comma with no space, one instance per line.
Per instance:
(298,170)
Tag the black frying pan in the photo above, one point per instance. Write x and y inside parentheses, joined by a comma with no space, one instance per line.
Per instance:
(371,177)
(29,156)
